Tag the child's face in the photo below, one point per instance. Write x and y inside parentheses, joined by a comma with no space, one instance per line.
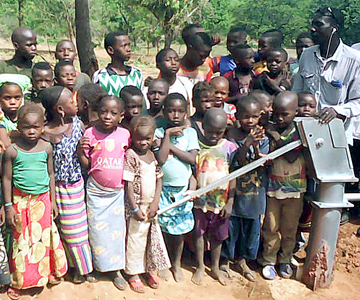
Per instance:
(234,39)
(303,44)
(213,133)
(31,127)
(170,63)
(263,47)
(284,115)
(142,139)
(247,60)
(67,103)
(307,105)
(204,103)
(221,91)
(67,77)
(28,46)
(122,48)
(109,115)
(276,62)
(42,79)
(156,94)
(175,112)
(65,51)
(249,117)
(199,54)
(133,107)
(11,98)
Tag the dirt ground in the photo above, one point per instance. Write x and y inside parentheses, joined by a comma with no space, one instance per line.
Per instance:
(345,286)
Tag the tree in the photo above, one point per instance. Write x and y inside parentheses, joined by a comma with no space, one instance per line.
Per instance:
(88,61)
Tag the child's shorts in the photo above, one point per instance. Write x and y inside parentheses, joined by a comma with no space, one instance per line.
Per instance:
(212,224)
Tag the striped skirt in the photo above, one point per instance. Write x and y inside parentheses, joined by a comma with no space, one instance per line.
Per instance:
(70,200)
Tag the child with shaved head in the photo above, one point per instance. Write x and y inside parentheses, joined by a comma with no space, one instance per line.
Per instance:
(212,211)
(286,188)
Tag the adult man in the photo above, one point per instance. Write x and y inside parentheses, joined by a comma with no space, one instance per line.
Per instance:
(24,41)
(330,70)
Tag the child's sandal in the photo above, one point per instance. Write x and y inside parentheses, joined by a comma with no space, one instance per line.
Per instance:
(13,294)
(152,281)
(137,285)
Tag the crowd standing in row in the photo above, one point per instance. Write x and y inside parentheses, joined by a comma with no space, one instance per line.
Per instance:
(87,165)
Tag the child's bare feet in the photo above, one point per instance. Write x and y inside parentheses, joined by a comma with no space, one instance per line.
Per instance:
(226,269)
(177,273)
(245,270)
(198,276)
(219,276)
(164,274)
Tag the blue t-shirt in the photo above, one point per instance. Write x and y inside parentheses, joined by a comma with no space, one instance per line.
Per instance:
(176,172)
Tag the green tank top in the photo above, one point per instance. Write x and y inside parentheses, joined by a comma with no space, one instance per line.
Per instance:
(30,172)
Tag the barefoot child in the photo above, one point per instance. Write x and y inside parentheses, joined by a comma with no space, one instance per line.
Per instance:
(102,151)
(249,203)
(178,149)
(143,184)
(133,104)
(29,192)
(286,188)
(64,131)
(212,211)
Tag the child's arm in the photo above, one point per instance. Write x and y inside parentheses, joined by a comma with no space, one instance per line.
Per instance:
(50,167)
(4,137)
(9,156)
(84,143)
(188,157)
(290,156)
(154,206)
(164,150)
(227,209)
(129,192)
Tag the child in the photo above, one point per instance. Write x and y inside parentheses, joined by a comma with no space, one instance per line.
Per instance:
(11,97)
(42,78)
(65,74)
(143,184)
(167,61)
(212,211)
(287,184)
(133,103)
(65,51)
(240,79)
(194,65)
(203,97)
(307,108)
(221,91)
(157,91)
(37,254)
(24,41)
(224,64)
(102,151)
(266,101)
(117,75)
(177,152)
(271,39)
(277,79)
(88,98)
(303,41)
(307,104)
(64,131)
(249,203)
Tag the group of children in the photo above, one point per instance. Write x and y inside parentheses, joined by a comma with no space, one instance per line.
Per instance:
(88,165)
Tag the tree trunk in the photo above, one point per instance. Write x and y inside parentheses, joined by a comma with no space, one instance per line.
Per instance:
(169,37)
(20,12)
(88,61)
